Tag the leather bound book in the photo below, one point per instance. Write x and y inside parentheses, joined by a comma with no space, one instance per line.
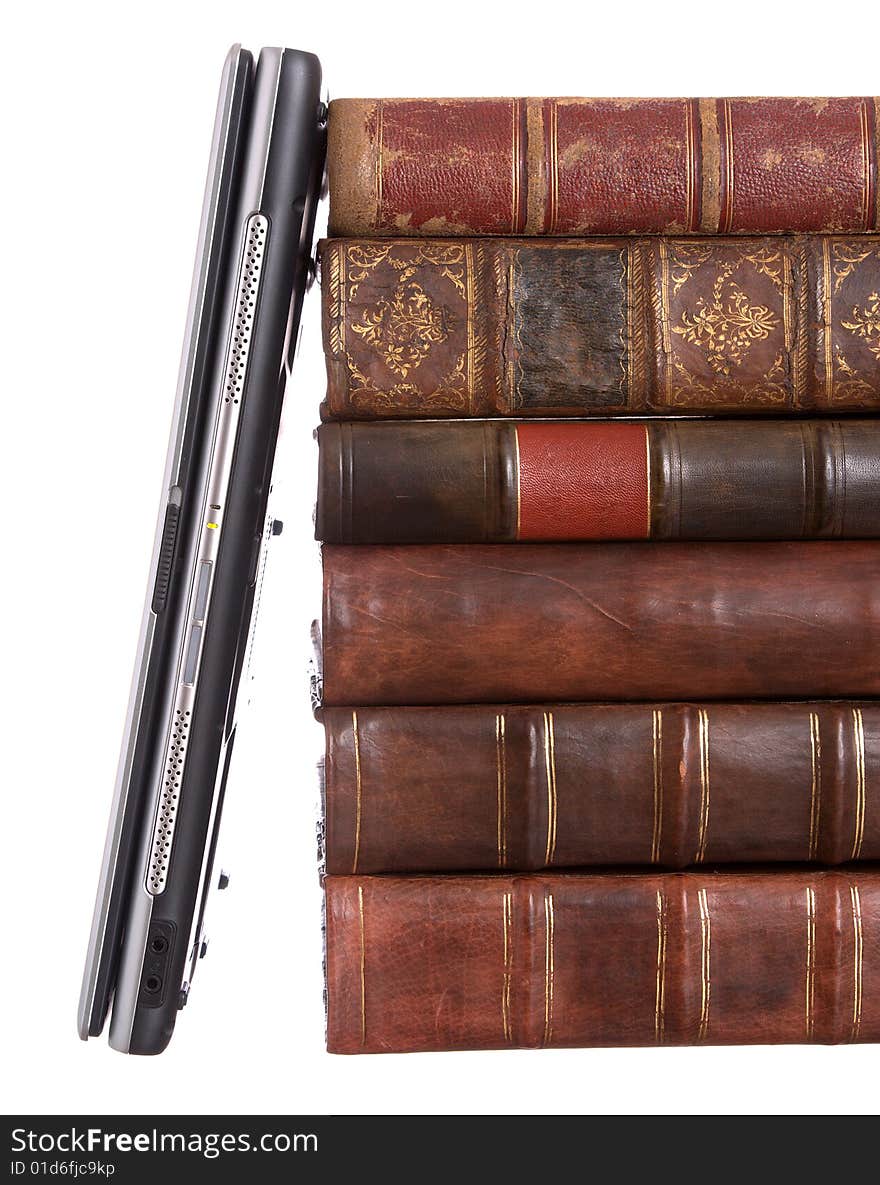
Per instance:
(570,166)
(492,481)
(554,622)
(494,962)
(523,788)
(598,327)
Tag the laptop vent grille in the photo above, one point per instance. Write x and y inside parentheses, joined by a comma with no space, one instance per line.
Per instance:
(246,302)
(168,802)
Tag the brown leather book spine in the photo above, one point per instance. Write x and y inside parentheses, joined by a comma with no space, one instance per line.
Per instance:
(702,958)
(572,166)
(598,327)
(523,788)
(546,622)
(494,482)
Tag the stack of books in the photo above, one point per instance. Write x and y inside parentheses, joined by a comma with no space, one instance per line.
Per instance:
(600,504)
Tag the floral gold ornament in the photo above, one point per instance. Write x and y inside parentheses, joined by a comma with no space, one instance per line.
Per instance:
(847,257)
(848,384)
(726,326)
(687,259)
(865,323)
(722,303)
(361,259)
(403,330)
(451,393)
(403,324)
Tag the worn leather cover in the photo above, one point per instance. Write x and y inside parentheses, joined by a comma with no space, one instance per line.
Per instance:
(602,166)
(569,166)
(493,962)
(491,481)
(597,327)
(545,622)
(500,786)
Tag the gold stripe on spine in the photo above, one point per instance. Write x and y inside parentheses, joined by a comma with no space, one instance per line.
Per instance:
(786,297)
(518,481)
(550,767)
(826,328)
(476,264)
(536,191)
(555,800)
(865,133)
(553,144)
(705,963)
(507,913)
(802,376)
(501,764)
(690,168)
(358,791)
(629,253)
(334,259)
(657,720)
(861,788)
(638,355)
(471,347)
(363,967)
(664,317)
(703,835)
(876,148)
(815,784)
(514,165)
(711,167)
(510,334)
(555,164)
(856,904)
(648,482)
(728,172)
(380,164)
(810,985)
(660,990)
(548,968)
(343,296)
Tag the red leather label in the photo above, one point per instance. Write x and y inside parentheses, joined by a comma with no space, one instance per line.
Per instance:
(583,481)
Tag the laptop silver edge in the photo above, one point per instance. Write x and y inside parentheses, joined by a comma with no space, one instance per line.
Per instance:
(225,421)
(182,408)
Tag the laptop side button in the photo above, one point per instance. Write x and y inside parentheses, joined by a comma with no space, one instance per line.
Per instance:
(166,557)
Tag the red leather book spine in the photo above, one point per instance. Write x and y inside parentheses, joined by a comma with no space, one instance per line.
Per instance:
(494,962)
(570,166)
(576,623)
(523,788)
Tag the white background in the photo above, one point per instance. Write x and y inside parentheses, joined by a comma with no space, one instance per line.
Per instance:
(107,112)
